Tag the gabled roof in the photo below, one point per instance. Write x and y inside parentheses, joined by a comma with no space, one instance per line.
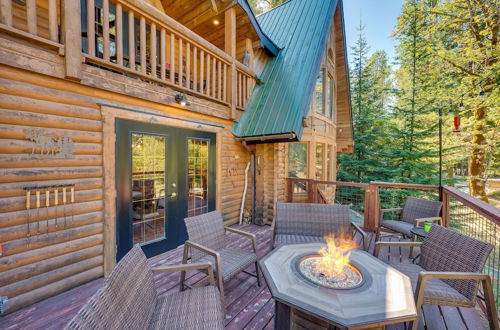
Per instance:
(279,104)
(265,41)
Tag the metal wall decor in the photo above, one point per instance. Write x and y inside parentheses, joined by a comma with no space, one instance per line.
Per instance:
(50,147)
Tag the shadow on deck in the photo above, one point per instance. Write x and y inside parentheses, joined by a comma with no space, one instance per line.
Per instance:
(248,306)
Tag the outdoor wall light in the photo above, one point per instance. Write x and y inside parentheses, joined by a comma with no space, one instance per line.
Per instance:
(181,98)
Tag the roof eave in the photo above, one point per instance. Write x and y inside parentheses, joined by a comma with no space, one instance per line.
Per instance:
(265,41)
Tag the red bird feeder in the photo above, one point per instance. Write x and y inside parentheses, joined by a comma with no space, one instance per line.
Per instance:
(456,122)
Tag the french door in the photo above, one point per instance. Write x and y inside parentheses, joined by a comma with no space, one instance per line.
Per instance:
(163,174)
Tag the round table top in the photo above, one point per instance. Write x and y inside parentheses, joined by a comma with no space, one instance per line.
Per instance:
(419,231)
(386,294)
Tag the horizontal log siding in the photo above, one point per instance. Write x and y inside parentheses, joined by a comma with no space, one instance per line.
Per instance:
(69,255)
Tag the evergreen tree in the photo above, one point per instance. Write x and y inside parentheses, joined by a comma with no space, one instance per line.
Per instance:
(414,130)
(370,86)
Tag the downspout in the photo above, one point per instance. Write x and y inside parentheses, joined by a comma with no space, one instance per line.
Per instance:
(252,169)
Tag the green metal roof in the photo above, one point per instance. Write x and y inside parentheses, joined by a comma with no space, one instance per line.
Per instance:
(279,104)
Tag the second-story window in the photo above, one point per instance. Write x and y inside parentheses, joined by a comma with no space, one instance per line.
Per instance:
(318,94)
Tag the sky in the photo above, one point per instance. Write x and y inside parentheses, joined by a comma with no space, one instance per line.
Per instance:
(379,18)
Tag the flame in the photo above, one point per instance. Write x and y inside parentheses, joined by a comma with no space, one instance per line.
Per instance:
(334,256)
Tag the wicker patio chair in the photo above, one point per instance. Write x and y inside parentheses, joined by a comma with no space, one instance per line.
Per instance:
(415,212)
(449,271)
(296,223)
(129,300)
(208,242)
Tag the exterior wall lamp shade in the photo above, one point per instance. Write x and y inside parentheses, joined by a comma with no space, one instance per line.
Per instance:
(181,98)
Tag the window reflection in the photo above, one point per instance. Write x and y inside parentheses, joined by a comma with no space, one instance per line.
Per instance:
(318,94)
(297,160)
(319,161)
(148,187)
(197,177)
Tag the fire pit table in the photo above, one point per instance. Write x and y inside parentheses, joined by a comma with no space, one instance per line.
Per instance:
(368,294)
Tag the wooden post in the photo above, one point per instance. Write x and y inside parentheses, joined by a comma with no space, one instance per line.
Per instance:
(142,43)
(119,34)
(231,88)
(91,27)
(445,209)
(105,30)
(53,31)
(249,49)
(131,39)
(72,34)
(152,50)
(6,12)
(372,207)
(230,32)
(31,16)
(289,190)
(163,55)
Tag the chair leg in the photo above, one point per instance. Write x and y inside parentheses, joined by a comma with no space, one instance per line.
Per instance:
(490,304)
(220,284)
(377,235)
(184,261)
(257,272)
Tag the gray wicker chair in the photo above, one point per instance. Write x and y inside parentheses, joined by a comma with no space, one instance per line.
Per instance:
(208,242)
(448,271)
(129,300)
(415,212)
(296,223)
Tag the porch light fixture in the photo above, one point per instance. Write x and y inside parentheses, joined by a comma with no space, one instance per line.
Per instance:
(216,22)
(181,98)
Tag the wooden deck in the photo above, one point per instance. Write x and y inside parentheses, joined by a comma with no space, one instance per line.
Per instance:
(248,306)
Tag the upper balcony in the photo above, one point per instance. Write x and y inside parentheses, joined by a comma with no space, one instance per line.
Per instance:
(212,59)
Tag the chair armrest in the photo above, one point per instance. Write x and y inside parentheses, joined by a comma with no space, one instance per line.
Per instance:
(208,251)
(453,276)
(395,209)
(379,244)
(433,219)
(244,233)
(362,232)
(185,267)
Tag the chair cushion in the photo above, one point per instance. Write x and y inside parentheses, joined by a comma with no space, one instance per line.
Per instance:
(399,226)
(199,308)
(233,260)
(281,239)
(436,291)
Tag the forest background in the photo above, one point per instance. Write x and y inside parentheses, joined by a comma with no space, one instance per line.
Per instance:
(446,61)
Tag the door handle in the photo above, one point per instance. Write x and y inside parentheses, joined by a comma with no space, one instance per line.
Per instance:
(174,194)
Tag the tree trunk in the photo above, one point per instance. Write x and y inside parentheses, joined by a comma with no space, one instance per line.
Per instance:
(477,161)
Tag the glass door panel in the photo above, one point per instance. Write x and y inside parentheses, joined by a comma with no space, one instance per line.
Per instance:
(148,187)
(197,173)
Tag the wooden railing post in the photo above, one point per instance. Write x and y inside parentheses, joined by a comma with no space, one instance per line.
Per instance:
(72,38)
(372,207)
(232,88)
(289,190)
(445,208)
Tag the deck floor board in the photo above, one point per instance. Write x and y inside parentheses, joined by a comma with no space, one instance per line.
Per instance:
(248,306)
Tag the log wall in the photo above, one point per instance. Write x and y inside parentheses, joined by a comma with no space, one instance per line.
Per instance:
(58,258)
(65,257)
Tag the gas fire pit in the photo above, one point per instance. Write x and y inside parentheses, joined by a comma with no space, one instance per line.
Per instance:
(328,285)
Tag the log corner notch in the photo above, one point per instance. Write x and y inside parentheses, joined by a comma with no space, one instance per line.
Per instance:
(72,36)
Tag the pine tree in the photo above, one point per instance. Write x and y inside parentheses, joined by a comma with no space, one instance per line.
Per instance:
(369,98)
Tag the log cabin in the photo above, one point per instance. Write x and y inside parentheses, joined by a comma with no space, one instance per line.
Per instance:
(119,118)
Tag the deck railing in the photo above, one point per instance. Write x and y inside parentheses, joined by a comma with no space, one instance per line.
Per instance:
(36,20)
(132,38)
(461,212)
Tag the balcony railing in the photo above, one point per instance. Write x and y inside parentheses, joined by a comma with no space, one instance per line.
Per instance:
(132,38)
(461,212)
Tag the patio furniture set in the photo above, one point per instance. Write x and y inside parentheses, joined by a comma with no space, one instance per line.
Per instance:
(448,271)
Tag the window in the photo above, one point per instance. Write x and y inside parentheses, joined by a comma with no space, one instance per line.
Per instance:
(319,161)
(318,94)
(297,160)
(328,97)
(197,173)
(329,163)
